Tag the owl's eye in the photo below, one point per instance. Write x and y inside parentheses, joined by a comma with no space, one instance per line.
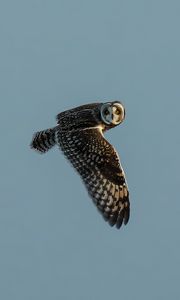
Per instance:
(118,111)
(106,112)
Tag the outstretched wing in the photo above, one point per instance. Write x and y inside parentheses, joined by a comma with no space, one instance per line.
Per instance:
(99,166)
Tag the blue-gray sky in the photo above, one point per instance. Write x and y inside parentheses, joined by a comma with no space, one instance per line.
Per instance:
(59,54)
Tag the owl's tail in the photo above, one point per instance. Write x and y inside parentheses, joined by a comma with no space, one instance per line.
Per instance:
(43,140)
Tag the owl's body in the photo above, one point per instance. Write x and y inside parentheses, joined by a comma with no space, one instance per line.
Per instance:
(79,134)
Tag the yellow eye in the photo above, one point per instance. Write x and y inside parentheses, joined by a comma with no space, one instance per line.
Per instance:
(118,111)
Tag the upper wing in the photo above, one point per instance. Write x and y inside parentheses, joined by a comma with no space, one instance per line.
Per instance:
(98,164)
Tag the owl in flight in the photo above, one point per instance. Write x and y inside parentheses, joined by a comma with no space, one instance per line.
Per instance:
(79,133)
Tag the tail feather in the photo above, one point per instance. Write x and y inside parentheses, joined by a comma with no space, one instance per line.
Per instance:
(43,140)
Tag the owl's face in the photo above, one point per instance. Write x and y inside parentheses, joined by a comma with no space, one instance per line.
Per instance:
(112,113)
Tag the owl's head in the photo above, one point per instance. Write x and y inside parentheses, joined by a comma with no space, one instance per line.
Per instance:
(106,115)
(112,113)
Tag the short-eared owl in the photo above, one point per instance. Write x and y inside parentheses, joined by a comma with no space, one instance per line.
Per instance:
(79,134)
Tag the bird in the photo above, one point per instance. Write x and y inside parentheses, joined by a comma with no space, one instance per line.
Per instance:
(79,133)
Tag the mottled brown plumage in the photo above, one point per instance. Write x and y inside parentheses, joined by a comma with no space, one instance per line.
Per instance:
(79,134)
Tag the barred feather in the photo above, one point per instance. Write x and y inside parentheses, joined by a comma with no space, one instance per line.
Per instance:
(43,140)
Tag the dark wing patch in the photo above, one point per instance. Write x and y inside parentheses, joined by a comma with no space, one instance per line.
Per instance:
(98,164)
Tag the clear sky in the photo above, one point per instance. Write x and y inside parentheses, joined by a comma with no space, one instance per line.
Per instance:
(55,55)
